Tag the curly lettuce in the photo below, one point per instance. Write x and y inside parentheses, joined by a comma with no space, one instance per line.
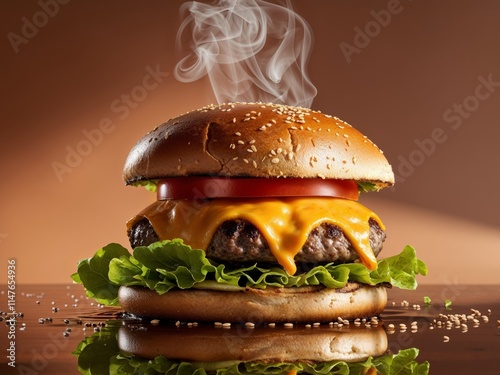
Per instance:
(170,264)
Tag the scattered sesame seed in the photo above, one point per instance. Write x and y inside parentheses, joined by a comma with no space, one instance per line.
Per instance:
(275,160)
(446,338)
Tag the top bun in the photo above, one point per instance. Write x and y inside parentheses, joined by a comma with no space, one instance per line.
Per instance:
(257,140)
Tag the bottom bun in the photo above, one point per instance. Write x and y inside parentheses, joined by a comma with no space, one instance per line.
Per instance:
(303,304)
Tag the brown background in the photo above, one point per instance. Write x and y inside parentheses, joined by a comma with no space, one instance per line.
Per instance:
(64,80)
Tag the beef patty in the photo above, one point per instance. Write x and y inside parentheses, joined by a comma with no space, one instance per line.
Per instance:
(239,241)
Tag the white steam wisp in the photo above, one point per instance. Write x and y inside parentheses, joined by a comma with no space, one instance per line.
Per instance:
(251,50)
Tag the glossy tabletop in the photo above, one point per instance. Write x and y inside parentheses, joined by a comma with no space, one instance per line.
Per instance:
(454,327)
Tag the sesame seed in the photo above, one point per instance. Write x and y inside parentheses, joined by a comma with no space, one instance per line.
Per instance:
(240,142)
(288,325)
(155,322)
(275,160)
(272,325)
(238,134)
(254,149)
(246,119)
(249,325)
(254,163)
(234,120)
(246,161)
(232,146)
(446,338)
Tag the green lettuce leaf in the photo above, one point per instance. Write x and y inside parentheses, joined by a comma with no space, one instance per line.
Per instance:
(93,273)
(165,265)
(150,185)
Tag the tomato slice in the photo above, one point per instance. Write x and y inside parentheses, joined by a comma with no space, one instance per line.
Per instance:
(239,187)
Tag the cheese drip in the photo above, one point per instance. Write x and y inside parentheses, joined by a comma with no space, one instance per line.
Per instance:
(285,223)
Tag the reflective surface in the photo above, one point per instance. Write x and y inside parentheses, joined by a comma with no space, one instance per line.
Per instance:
(463,338)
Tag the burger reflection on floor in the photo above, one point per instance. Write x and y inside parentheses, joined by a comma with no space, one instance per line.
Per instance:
(135,347)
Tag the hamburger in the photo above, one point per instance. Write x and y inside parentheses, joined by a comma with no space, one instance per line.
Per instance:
(256,219)
(130,347)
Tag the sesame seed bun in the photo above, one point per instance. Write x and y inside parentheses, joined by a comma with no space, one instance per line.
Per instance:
(257,140)
(208,344)
(304,304)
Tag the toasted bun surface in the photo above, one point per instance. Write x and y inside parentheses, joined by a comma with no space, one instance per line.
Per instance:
(257,140)
(279,344)
(304,304)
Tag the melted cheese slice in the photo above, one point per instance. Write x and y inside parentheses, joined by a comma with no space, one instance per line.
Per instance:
(285,223)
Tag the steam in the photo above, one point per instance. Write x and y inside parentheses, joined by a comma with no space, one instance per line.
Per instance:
(251,50)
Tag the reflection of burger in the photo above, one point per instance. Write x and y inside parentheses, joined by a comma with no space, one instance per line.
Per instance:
(268,193)
(262,344)
(130,347)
